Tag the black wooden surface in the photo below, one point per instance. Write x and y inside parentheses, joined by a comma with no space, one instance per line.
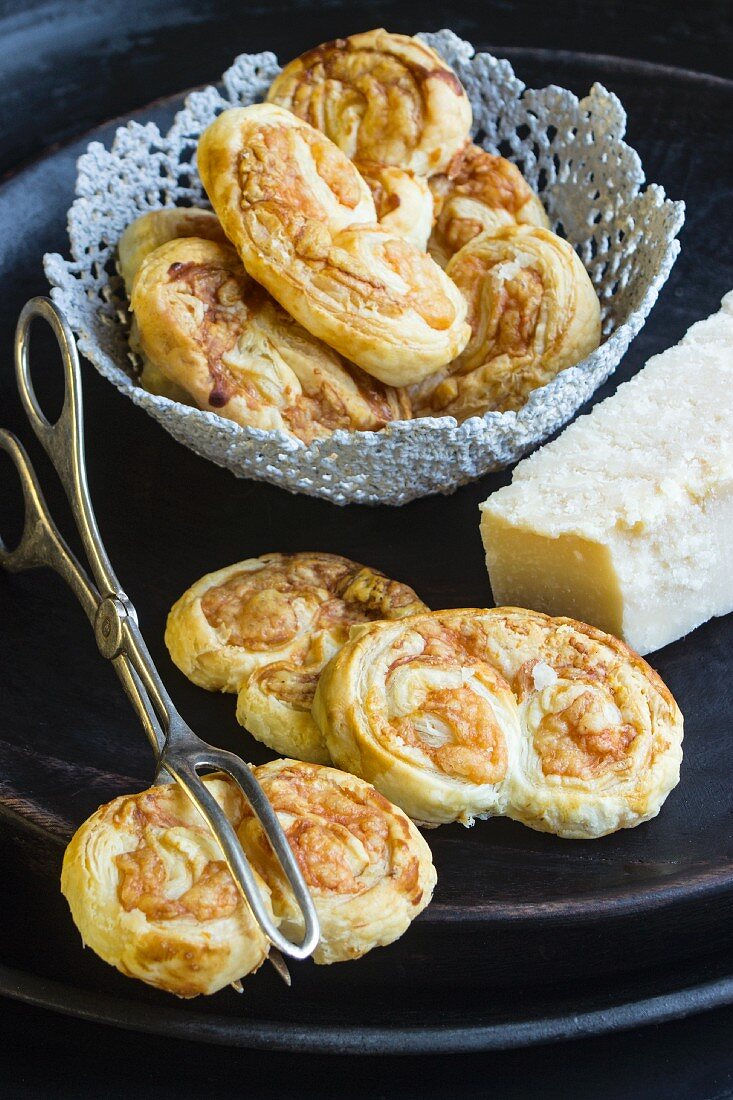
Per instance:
(66,712)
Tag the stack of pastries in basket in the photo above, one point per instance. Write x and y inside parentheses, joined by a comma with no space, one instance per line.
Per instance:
(365,261)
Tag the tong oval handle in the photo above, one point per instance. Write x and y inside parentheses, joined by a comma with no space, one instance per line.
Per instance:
(63,440)
(186,775)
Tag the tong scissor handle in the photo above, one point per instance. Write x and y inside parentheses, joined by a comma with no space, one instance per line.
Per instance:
(177,759)
(63,440)
(179,752)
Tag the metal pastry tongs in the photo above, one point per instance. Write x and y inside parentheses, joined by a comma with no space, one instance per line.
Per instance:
(178,751)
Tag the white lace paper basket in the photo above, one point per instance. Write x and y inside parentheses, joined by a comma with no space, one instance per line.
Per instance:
(571,151)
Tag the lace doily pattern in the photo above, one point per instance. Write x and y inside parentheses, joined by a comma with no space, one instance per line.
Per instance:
(571,151)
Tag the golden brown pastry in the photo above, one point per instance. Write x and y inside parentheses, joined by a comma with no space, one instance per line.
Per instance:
(209,329)
(150,893)
(457,714)
(602,735)
(533,311)
(157,227)
(478,192)
(142,237)
(382,97)
(304,224)
(402,200)
(265,627)
(409,707)
(368,868)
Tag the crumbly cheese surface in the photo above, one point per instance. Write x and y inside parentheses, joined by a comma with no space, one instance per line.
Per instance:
(626,520)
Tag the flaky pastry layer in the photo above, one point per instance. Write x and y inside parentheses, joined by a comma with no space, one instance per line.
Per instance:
(382,97)
(212,331)
(479,192)
(304,224)
(533,312)
(265,628)
(457,714)
(151,895)
(369,870)
(402,200)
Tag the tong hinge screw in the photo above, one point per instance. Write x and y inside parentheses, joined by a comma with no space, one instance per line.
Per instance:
(111,613)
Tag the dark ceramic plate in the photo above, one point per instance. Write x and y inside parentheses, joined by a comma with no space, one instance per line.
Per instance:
(529,938)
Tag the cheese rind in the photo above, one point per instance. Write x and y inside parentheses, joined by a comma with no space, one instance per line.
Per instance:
(626,520)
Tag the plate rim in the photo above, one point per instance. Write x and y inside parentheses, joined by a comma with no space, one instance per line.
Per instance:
(275,1035)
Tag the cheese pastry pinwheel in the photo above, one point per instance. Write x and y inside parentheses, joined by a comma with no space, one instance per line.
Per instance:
(381,97)
(304,224)
(265,628)
(533,312)
(151,894)
(457,714)
(368,869)
(212,331)
(142,237)
(479,192)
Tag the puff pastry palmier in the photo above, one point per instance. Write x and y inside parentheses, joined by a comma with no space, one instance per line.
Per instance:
(304,224)
(593,745)
(602,734)
(214,332)
(369,870)
(265,627)
(479,192)
(533,311)
(150,893)
(142,237)
(383,97)
(412,708)
(402,200)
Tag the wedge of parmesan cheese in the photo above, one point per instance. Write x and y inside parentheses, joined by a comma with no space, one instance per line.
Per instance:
(626,520)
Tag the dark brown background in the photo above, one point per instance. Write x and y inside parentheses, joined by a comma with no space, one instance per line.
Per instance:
(65,67)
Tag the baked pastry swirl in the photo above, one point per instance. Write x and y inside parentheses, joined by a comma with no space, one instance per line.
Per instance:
(369,870)
(457,714)
(151,895)
(265,628)
(157,227)
(479,192)
(382,97)
(533,312)
(215,333)
(402,200)
(413,709)
(304,224)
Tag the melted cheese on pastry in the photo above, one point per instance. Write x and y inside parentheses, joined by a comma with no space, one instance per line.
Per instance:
(402,200)
(368,869)
(304,224)
(470,712)
(410,708)
(157,227)
(533,311)
(479,192)
(209,329)
(381,97)
(602,735)
(150,893)
(266,627)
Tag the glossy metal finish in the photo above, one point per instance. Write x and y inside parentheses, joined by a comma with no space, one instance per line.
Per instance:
(179,752)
